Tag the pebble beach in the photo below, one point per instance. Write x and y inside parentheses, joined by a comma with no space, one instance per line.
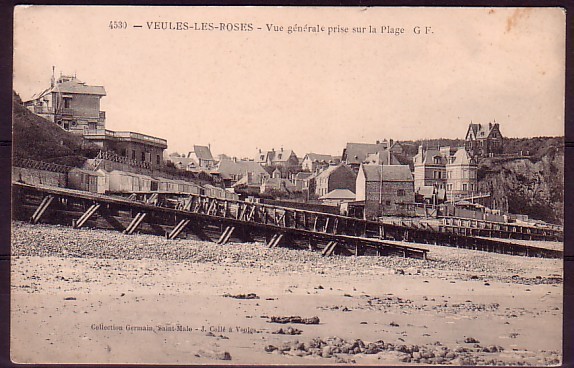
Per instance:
(96,296)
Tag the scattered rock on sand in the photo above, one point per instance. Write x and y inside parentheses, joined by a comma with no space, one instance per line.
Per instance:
(295,319)
(242,296)
(288,331)
(220,355)
(471,340)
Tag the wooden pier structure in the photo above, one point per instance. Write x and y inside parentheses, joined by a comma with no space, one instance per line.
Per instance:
(220,220)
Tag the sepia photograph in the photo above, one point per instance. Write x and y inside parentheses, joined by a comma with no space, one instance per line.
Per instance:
(288,185)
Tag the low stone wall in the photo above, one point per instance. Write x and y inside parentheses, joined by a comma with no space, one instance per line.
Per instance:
(41,177)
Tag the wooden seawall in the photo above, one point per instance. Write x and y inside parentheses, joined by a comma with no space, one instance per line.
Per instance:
(219,220)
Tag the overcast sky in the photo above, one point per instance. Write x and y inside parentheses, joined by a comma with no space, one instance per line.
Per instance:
(310,92)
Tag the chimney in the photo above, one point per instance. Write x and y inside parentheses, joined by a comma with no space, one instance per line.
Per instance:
(53,80)
(390,142)
(420,149)
(378,141)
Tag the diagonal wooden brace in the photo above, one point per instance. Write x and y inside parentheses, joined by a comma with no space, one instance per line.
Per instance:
(178,229)
(135,223)
(226,235)
(86,215)
(41,209)
(275,241)
(330,248)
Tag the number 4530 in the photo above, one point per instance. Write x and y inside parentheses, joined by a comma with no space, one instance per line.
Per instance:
(118,24)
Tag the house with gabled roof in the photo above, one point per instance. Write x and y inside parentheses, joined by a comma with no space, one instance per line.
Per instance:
(385,157)
(337,196)
(70,103)
(429,168)
(354,154)
(313,162)
(338,176)
(386,190)
(284,159)
(462,174)
(201,156)
(302,180)
(75,107)
(249,173)
(277,184)
(484,140)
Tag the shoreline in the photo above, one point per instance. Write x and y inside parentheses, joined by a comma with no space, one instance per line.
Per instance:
(63,285)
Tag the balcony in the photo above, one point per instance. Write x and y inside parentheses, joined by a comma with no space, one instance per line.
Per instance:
(43,110)
(124,136)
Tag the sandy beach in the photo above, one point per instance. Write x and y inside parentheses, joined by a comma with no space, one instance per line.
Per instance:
(87,296)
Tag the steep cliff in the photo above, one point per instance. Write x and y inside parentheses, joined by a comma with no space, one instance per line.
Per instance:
(533,186)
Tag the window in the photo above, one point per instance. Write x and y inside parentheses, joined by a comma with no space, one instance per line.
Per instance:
(157,159)
(143,156)
(124,152)
(67,102)
(401,192)
(464,187)
(387,203)
(449,186)
(133,154)
(436,159)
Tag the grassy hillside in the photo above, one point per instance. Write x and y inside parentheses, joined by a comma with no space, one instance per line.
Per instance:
(36,138)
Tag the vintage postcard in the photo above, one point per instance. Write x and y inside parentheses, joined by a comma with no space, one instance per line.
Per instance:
(288,185)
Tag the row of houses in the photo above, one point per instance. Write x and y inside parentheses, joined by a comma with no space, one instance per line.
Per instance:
(379,174)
